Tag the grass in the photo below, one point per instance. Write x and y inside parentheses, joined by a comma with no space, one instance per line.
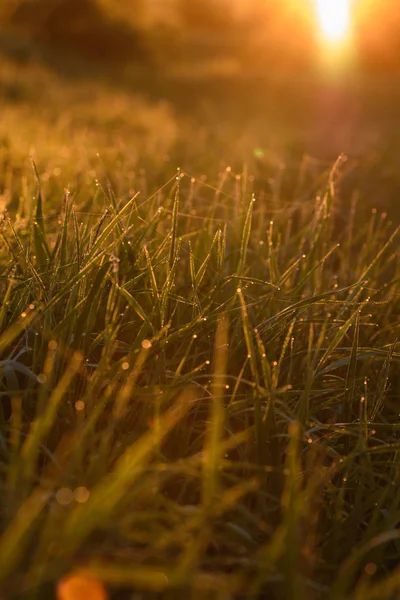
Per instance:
(199,388)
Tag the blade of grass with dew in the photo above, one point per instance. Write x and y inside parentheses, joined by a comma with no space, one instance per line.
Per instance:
(272,255)
(174,231)
(311,271)
(5,301)
(60,251)
(245,239)
(113,224)
(153,283)
(29,265)
(339,337)
(382,383)
(16,329)
(77,237)
(367,271)
(39,235)
(203,267)
(221,250)
(248,331)
(134,304)
(165,308)
(122,234)
(212,450)
(351,376)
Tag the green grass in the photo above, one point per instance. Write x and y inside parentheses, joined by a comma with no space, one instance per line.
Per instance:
(199,389)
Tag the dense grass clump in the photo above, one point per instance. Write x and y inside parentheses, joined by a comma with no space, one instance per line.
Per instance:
(199,391)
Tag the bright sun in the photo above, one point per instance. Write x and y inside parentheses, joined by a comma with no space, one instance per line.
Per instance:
(334,18)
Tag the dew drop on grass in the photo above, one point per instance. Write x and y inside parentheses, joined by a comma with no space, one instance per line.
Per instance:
(79,405)
(146,344)
(125,366)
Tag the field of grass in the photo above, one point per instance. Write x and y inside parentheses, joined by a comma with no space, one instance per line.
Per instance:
(198,370)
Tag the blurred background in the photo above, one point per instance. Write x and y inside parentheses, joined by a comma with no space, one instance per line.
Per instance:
(242,35)
(265,76)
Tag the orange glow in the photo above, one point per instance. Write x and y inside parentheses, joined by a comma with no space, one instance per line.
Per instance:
(334,19)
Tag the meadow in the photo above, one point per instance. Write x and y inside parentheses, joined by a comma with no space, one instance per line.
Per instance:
(199,353)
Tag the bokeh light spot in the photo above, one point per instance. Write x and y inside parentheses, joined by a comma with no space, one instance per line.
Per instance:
(81,494)
(64,496)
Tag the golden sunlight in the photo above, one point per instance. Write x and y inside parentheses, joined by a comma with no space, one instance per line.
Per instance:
(334,18)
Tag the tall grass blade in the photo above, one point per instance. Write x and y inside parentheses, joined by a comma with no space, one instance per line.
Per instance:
(212,450)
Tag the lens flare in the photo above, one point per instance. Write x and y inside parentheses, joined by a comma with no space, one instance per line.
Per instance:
(334,18)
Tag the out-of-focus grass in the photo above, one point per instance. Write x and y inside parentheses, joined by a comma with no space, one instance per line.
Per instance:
(199,388)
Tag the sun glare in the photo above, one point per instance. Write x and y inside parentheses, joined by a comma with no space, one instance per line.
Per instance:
(334,18)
